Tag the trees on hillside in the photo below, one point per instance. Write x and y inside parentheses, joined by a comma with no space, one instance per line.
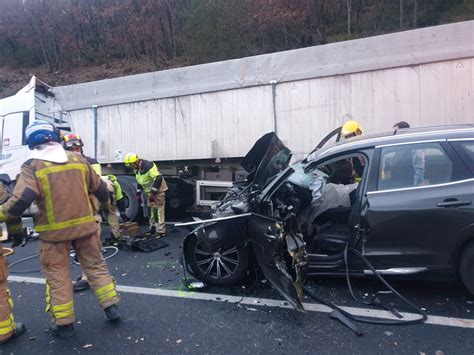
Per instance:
(64,33)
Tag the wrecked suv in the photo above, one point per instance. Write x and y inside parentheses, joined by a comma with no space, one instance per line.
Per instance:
(404,201)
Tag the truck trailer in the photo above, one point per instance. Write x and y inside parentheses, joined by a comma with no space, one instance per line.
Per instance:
(198,122)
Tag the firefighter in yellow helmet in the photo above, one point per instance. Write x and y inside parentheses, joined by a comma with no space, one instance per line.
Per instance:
(60,183)
(155,187)
(347,171)
(351,129)
(8,327)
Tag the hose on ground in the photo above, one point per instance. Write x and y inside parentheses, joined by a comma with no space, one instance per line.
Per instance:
(31,271)
(379,277)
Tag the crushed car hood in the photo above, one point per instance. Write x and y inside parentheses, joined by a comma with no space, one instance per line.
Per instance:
(267,158)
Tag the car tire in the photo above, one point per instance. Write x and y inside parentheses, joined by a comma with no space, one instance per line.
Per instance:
(466,267)
(230,258)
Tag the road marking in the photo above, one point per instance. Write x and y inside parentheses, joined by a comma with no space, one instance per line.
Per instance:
(252,301)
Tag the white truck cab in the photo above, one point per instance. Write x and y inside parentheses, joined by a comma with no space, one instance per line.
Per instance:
(34,101)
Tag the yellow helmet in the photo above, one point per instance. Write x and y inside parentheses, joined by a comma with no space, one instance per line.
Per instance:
(351,129)
(131,158)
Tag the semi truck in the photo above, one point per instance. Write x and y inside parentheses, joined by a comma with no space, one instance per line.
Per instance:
(197,122)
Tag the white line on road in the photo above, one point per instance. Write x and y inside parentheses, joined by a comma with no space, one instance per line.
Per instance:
(313,307)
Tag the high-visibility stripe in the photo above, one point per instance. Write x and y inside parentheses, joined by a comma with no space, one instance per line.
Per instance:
(117,188)
(48,298)
(146,180)
(106,293)
(42,175)
(52,225)
(63,310)
(10,299)
(153,214)
(8,325)
(2,215)
(48,199)
(60,168)
(58,311)
(97,168)
(65,224)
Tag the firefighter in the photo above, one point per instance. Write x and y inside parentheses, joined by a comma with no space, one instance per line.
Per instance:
(8,327)
(73,142)
(347,171)
(155,187)
(351,129)
(117,208)
(60,183)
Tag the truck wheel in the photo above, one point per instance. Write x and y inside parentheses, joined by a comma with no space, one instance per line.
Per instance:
(466,266)
(129,189)
(224,266)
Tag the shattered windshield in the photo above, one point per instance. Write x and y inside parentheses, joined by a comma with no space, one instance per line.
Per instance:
(267,158)
(270,168)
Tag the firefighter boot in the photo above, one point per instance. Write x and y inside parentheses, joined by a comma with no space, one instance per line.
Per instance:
(151,231)
(112,313)
(62,331)
(81,284)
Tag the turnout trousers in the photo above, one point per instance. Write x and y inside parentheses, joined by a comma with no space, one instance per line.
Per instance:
(54,259)
(7,323)
(157,213)
(113,217)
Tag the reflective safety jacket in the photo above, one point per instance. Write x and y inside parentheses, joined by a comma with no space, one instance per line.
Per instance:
(149,178)
(95,165)
(61,192)
(117,187)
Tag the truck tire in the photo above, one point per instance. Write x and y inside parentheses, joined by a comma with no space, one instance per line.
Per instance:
(232,260)
(466,266)
(129,189)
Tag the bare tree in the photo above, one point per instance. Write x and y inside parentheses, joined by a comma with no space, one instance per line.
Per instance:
(349,10)
(401,13)
(415,13)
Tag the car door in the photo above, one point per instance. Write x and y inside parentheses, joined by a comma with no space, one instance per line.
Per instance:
(418,203)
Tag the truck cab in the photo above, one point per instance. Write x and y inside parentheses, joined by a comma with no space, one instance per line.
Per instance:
(34,101)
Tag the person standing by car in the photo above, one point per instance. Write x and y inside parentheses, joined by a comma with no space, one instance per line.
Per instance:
(59,182)
(155,187)
(416,171)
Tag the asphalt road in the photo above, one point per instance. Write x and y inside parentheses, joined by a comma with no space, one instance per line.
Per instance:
(158,321)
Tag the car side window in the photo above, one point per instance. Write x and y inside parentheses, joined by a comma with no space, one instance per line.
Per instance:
(468,147)
(414,165)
